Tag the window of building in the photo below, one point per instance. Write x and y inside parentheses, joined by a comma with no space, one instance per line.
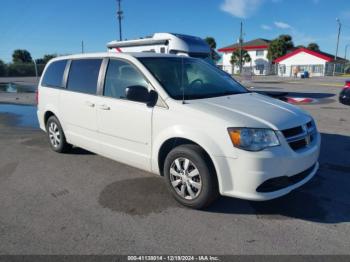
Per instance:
(259,52)
(317,69)
(282,69)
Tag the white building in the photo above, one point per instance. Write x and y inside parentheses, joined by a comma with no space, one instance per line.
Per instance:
(257,49)
(316,63)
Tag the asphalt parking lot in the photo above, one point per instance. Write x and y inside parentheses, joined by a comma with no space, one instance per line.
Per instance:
(81,203)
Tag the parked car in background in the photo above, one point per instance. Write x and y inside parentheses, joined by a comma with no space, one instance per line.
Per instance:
(344,96)
(181,118)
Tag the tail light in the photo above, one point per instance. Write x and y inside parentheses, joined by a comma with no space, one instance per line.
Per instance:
(347,84)
(37,96)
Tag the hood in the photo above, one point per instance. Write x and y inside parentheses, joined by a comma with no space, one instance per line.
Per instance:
(253,110)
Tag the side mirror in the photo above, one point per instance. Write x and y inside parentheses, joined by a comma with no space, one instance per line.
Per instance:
(153,97)
(141,94)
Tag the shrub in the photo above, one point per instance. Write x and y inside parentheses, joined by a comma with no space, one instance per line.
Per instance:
(3,69)
(23,69)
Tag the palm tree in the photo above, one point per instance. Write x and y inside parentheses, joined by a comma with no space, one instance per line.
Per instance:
(212,44)
(235,57)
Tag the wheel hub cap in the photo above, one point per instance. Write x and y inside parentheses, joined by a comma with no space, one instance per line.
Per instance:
(54,134)
(185,178)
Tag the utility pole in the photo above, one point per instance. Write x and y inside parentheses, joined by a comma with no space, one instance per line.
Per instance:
(240,50)
(82,46)
(120,17)
(336,51)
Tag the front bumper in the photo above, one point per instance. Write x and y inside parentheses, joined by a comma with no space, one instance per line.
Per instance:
(241,177)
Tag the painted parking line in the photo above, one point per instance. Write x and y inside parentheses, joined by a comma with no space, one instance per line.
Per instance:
(316,83)
(332,84)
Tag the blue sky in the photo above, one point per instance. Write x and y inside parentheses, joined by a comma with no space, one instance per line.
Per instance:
(58,26)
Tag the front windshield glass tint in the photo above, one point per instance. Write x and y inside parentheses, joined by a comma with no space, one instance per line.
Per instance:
(193,78)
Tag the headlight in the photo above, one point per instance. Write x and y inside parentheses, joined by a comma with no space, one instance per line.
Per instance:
(253,139)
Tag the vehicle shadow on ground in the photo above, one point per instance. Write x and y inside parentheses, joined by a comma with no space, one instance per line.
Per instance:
(325,199)
(310,95)
(278,94)
(79,151)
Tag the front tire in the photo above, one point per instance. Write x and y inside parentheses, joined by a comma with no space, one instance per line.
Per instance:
(191,177)
(56,136)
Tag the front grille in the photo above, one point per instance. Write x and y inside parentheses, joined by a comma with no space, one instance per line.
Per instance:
(281,182)
(299,144)
(300,137)
(292,131)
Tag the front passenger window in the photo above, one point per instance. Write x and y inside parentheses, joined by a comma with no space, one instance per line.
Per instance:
(119,76)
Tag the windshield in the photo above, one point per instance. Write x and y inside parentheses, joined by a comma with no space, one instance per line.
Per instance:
(190,78)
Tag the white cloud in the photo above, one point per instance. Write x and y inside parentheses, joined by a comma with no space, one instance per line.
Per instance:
(241,8)
(266,27)
(283,25)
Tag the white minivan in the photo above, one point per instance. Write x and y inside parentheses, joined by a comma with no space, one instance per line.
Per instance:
(180,118)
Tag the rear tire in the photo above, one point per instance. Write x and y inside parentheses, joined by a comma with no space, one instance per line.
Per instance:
(56,136)
(190,176)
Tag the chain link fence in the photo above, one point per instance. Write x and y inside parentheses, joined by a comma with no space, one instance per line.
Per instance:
(289,71)
(258,70)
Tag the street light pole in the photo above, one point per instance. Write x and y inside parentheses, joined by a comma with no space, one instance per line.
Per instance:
(346,50)
(82,47)
(336,51)
(36,68)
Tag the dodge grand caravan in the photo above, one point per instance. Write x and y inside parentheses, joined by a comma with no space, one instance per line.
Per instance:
(180,118)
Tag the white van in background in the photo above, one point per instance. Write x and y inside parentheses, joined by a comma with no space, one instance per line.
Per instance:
(166,43)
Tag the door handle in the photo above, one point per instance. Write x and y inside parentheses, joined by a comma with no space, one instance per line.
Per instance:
(104,107)
(90,104)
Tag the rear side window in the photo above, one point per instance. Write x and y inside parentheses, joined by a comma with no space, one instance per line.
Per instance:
(54,74)
(83,75)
